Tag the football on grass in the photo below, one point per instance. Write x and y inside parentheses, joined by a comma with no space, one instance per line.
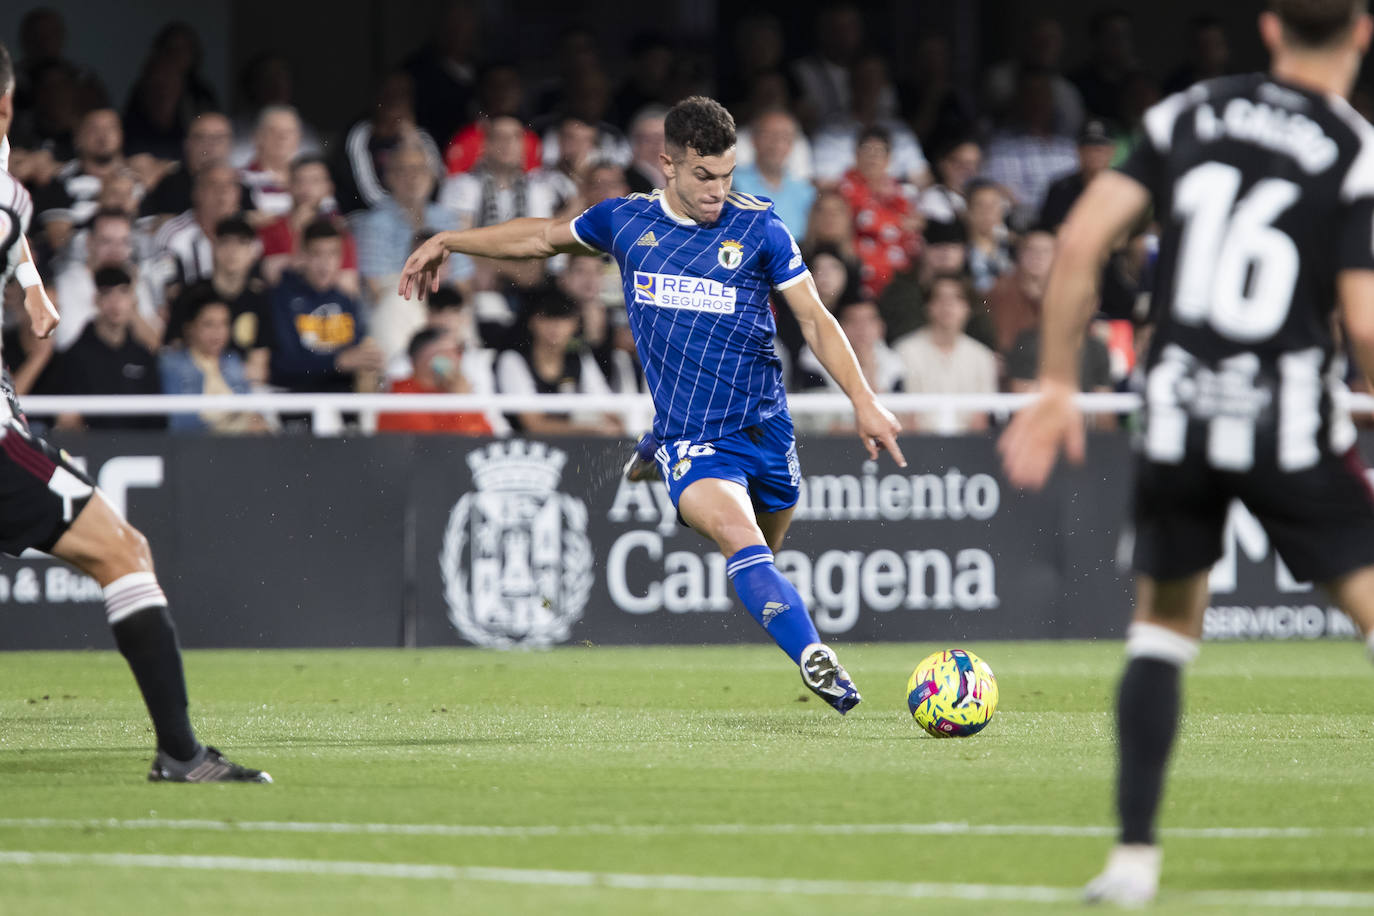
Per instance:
(952,694)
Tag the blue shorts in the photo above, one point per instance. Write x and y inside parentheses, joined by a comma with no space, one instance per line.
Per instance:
(761,458)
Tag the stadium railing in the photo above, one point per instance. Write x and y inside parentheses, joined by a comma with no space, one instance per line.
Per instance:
(327,410)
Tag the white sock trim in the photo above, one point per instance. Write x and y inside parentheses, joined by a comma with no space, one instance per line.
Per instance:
(1150,640)
(130,594)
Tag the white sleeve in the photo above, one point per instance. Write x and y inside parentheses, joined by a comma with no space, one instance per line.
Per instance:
(593,380)
(800,163)
(461,195)
(833,155)
(512,375)
(477,369)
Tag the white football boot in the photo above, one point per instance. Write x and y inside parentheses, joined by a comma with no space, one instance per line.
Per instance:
(1131,877)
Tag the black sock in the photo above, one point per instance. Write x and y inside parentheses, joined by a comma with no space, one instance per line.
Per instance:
(1147,712)
(148,641)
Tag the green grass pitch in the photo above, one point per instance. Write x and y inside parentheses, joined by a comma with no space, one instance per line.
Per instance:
(672,780)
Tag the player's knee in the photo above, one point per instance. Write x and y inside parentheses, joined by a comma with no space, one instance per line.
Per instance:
(733,535)
(126,551)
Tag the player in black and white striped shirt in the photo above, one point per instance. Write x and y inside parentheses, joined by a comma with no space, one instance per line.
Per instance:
(49,504)
(1264,188)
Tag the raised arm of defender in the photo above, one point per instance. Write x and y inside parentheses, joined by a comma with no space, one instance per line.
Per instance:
(1101,217)
(877,426)
(518,239)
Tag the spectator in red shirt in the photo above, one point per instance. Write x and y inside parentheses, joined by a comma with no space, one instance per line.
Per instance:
(436,357)
(500,94)
(886,223)
(312,197)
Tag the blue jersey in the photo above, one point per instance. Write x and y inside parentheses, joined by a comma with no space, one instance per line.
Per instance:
(697,297)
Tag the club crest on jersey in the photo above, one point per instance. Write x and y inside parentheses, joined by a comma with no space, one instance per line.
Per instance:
(730,255)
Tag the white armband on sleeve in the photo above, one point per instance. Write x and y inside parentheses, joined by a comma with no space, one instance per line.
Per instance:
(27,275)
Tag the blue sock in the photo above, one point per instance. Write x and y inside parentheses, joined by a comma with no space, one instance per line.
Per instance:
(772,600)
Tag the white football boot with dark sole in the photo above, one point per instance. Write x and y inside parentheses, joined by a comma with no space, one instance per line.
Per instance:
(824,676)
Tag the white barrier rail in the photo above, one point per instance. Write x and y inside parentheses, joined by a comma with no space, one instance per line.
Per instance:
(802,403)
(326,409)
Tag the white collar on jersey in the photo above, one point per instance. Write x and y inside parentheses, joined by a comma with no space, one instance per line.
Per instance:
(680,220)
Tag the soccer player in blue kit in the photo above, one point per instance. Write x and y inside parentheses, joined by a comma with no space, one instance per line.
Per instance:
(699,263)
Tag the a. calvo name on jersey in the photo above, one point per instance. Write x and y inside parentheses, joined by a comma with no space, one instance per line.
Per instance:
(672,291)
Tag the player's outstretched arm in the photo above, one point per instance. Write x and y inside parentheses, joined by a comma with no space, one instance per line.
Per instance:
(42,314)
(1103,214)
(516,239)
(877,426)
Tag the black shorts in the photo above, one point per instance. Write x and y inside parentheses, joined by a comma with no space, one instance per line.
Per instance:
(41,491)
(1320,520)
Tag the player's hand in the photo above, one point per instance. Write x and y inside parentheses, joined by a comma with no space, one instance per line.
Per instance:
(878,428)
(1031,444)
(43,317)
(421,272)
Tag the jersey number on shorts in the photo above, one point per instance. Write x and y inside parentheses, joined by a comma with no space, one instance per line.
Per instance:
(1237,271)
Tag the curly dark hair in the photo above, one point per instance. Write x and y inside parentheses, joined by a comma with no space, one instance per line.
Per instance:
(699,124)
(1317,23)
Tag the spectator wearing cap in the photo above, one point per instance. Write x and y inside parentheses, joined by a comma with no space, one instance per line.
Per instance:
(182,247)
(551,361)
(207,365)
(318,339)
(107,359)
(312,198)
(990,253)
(775,136)
(233,282)
(109,241)
(439,366)
(940,358)
(1095,151)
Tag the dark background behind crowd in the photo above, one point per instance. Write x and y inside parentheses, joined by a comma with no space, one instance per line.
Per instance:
(226,193)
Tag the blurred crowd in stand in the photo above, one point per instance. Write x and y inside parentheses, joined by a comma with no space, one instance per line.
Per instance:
(195,247)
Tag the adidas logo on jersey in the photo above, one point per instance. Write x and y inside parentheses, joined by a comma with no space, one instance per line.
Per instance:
(648,240)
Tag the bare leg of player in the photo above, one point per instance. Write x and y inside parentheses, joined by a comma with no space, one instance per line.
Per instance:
(774,526)
(1354,593)
(102,544)
(1161,641)
(722,510)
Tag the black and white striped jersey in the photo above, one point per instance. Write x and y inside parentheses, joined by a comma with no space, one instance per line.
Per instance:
(1264,192)
(16,210)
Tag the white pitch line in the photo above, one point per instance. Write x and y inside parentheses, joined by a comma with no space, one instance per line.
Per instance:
(665,882)
(633,830)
